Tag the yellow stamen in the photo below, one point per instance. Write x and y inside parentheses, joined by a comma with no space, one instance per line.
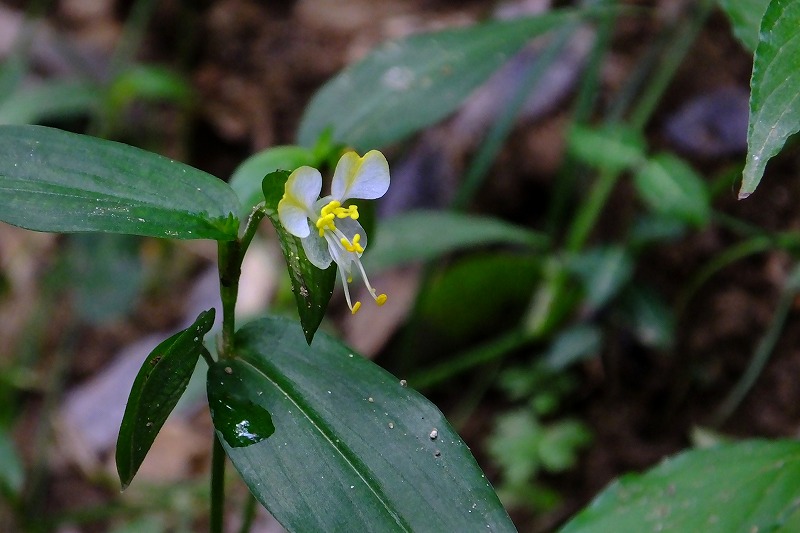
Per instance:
(356,307)
(349,279)
(380,300)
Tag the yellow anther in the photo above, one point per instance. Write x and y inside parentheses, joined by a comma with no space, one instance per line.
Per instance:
(330,207)
(356,307)
(380,300)
(354,212)
(349,279)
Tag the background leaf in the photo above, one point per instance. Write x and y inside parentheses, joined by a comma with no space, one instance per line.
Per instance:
(749,486)
(52,180)
(669,186)
(425,235)
(745,17)
(156,390)
(613,147)
(311,286)
(352,449)
(56,99)
(774,98)
(246,179)
(408,84)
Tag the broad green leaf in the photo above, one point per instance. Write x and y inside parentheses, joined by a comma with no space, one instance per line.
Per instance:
(742,487)
(246,179)
(408,84)
(52,180)
(426,235)
(156,390)
(353,448)
(774,98)
(240,421)
(615,148)
(51,100)
(745,17)
(670,187)
(311,286)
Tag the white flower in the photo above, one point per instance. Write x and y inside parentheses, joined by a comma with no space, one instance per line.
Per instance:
(329,231)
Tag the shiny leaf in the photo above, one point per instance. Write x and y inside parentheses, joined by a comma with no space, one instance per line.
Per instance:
(311,286)
(52,180)
(156,390)
(745,17)
(353,448)
(774,98)
(240,421)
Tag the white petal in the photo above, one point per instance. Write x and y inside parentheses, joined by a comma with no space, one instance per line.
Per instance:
(296,206)
(350,228)
(316,250)
(360,177)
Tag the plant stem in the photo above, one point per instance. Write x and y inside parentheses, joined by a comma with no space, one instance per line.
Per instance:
(230,268)
(217,486)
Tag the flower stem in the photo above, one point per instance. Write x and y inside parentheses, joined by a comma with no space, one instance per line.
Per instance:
(230,256)
(217,486)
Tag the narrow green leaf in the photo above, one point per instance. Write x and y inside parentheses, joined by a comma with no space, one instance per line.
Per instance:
(52,180)
(408,84)
(745,17)
(353,448)
(774,98)
(426,235)
(747,486)
(669,186)
(240,421)
(311,286)
(246,179)
(156,390)
(614,148)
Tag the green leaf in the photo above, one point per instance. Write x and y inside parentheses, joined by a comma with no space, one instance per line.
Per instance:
(156,390)
(51,180)
(572,345)
(603,271)
(748,486)
(614,148)
(774,98)
(745,17)
(669,186)
(246,179)
(12,472)
(497,284)
(240,421)
(52,100)
(353,449)
(407,84)
(97,263)
(311,286)
(149,83)
(426,235)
